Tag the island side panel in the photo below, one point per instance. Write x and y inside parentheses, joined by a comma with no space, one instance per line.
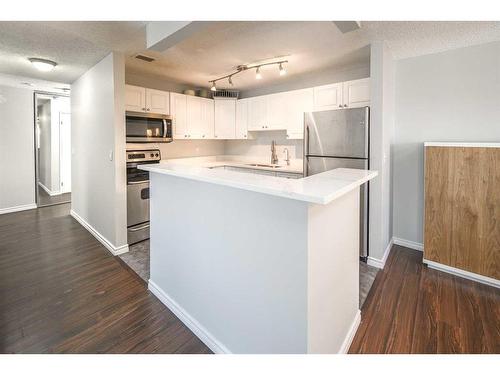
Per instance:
(333,274)
(234,261)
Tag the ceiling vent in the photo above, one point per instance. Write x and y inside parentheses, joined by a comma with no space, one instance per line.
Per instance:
(144,58)
(227,94)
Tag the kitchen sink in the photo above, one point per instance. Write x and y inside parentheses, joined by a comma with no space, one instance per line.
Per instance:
(265,165)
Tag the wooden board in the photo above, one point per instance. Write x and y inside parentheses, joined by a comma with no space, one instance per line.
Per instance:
(462,208)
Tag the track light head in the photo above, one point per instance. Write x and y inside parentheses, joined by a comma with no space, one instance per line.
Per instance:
(282,70)
(213,88)
(230,80)
(257,73)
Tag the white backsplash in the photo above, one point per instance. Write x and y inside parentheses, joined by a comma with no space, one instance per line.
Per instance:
(261,146)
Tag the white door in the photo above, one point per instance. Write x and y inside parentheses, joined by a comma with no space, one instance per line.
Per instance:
(328,97)
(158,101)
(225,119)
(179,115)
(65,152)
(207,118)
(135,98)
(299,102)
(277,110)
(357,93)
(242,119)
(257,113)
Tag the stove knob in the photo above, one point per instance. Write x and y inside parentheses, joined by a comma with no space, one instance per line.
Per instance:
(156,154)
(152,155)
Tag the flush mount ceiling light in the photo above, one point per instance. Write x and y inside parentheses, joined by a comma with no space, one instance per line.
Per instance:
(42,64)
(242,68)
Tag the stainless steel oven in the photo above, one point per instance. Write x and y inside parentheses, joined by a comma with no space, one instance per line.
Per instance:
(148,127)
(138,194)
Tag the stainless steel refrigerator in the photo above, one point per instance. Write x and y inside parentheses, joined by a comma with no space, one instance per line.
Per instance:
(340,139)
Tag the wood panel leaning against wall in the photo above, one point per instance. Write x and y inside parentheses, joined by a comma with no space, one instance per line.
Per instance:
(462,208)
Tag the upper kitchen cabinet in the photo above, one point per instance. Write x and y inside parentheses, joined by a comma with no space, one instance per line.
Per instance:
(200,118)
(242,119)
(179,115)
(267,112)
(135,98)
(140,99)
(298,102)
(225,119)
(350,94)
(328,97)
(257,113)
(356,93)
(157,101)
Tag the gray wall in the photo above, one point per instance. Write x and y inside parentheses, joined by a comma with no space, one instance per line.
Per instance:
(98,132)
(449,96)
(17,176)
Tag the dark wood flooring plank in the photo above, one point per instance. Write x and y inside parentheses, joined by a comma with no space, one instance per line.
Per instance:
(62,292)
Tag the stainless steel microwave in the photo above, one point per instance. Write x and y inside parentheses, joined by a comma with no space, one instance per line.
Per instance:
(148,127)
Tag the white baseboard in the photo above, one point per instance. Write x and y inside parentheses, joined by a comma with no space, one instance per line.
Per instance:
(199,330)
(107,244)
(380,263)
(23,207)
(47,190)
(410,244)
(462,273)
(350,335)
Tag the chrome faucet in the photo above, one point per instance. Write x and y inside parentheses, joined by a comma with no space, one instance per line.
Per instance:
(287,156)
(274,157)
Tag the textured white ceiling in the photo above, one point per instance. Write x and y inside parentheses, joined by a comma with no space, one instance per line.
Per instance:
(75,46)
(309,46)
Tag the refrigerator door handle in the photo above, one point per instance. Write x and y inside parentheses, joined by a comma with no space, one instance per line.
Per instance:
(306,151)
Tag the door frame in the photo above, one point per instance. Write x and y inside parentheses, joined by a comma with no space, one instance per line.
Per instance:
(36,95)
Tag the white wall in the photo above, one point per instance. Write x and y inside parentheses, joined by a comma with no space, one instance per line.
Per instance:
(448,96)
(17,174)
(98,144)
(382,87)
(180,148)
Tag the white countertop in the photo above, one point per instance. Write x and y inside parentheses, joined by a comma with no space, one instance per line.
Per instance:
(321,188)
(461,144)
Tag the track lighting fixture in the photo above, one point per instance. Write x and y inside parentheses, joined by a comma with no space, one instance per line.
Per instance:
(242,68)
(282,70)
(257,73)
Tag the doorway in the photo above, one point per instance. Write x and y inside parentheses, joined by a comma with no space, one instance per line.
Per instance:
(52,149)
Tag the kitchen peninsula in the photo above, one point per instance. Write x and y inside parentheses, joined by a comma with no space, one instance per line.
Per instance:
(254,263)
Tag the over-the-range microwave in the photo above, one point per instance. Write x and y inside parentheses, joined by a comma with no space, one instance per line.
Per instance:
(148,127)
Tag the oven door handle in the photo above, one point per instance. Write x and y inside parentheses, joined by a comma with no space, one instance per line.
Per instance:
(140,228)
(138,182)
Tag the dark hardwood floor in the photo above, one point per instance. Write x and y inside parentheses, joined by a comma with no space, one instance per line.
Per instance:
(62,292)
(414,309)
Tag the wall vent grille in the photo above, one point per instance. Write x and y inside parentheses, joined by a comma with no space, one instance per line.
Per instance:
(144,58)
(228,94)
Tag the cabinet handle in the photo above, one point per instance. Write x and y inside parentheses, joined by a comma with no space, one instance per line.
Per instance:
(203,136)
(215,136)
(143,109)
(185,135)
(345,105)
(340,105)
(245,136)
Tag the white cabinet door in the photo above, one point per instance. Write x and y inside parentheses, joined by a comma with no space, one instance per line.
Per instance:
(157,101)
(257,113)
(356,93)
(225,119)
(179,115)
(135,98)
(298,102)
(207,118)
(328,97)
(193,117)
(277,110)
(242,119)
